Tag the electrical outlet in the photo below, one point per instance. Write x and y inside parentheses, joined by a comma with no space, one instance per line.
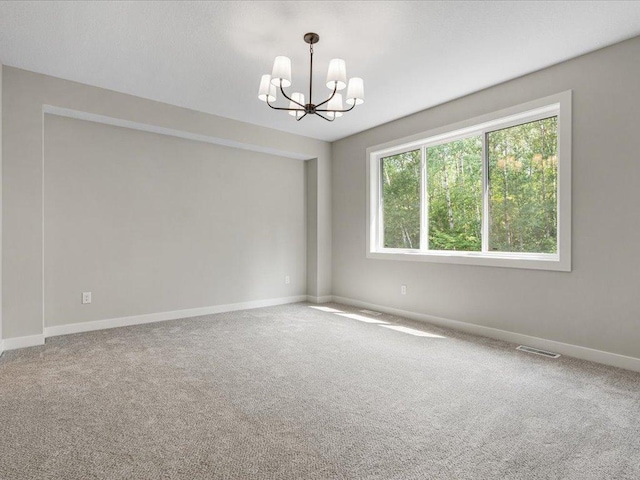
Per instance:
(287,279)
(403,289)
(86,297)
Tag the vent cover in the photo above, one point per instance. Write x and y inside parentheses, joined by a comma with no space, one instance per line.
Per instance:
(370,312)
(537,351)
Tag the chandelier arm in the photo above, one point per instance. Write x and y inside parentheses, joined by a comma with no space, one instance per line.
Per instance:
(335,89)
(287,109)
(340,111)
(289,98)
(301,117)
(325,118)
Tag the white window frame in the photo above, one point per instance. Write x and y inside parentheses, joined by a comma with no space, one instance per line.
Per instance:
(555,105)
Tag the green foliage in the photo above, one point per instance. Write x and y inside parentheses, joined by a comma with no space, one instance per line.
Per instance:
(523,180)
(440,240)
(454,190)
(401,200)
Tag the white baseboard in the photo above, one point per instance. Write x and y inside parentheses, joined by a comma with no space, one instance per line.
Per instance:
(22,342)
(1,347)
(584,353)
(324,299)
(163,316)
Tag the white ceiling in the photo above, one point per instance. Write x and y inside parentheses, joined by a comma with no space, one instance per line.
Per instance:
(209,56)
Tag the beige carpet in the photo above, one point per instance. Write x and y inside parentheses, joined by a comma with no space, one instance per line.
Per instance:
(293,392)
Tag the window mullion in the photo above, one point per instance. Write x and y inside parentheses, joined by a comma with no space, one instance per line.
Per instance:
(485,192)
(424,199)
(380,203)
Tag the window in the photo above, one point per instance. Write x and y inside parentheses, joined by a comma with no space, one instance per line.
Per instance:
(491,191)
(401,199)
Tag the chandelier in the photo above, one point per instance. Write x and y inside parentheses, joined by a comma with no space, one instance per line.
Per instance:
(332,107)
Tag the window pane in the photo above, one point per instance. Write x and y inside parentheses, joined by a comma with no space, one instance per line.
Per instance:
(523,187)
(401,200)
(454,191)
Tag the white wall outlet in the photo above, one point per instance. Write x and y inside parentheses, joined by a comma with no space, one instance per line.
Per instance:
(403,289)
(287,279)
(86,297)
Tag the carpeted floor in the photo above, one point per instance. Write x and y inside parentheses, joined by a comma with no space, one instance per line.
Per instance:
(293,392)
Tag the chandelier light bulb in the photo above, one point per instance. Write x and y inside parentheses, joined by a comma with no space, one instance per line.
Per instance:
(337,73)
(335,104)
(281,72)
(355,92)
(266,92)
(296,97)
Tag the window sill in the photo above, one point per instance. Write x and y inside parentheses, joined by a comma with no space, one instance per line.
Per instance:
(532,261)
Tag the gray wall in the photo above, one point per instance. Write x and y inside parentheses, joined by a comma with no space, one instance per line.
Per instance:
(597,304)
(319,239)
(25,95)
(1,337)
(152,223)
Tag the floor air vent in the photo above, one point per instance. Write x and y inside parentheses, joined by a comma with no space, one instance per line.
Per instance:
(370,312)
(537,351)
